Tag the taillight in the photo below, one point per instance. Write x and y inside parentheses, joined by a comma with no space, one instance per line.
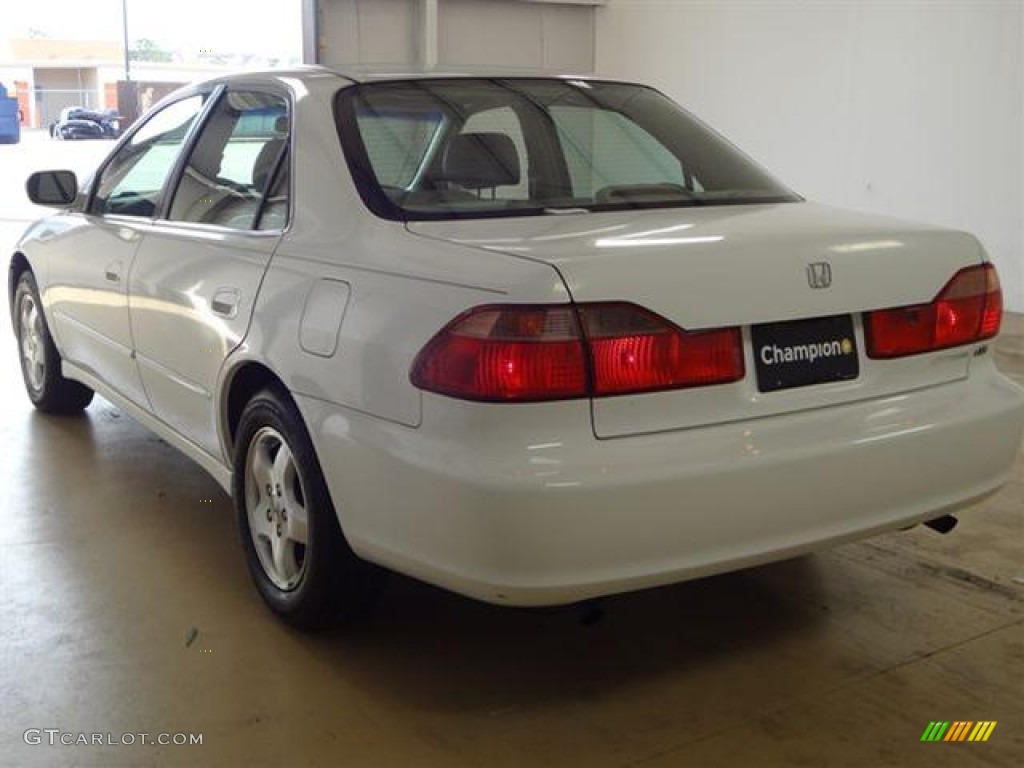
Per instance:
(506,354)
(522,353)
(634,350)
(968,309)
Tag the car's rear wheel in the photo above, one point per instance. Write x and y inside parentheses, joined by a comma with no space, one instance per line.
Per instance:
(294,546)
(48,390)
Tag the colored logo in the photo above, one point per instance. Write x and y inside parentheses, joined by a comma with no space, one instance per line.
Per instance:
(775,355)
(958,730)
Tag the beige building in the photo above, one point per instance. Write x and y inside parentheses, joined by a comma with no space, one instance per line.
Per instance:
(47,75)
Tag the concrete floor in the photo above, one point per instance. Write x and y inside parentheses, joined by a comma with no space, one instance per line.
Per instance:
(114,548)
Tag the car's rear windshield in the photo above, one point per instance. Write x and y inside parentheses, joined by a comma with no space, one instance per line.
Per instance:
(463,148)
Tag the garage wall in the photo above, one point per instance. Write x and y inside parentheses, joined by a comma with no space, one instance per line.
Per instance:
(914,109)
(372,32)
(534,35)
(499,33)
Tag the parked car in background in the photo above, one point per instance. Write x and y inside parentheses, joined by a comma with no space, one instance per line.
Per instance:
(80,123)
(535,340)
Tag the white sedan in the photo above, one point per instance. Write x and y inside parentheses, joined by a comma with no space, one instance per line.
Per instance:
(535,340)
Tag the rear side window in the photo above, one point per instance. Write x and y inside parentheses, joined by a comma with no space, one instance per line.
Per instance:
(131,183)
(236,174)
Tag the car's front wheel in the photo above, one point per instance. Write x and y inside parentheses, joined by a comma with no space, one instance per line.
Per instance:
(47,388)
(294,546)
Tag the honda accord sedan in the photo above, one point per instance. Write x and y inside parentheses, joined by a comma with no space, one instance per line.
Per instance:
(534,340)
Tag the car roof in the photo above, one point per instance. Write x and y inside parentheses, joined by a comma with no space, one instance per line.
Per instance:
(320,78)
(366,75)
(374,75)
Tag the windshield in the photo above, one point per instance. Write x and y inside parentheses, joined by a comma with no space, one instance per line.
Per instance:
(458,148)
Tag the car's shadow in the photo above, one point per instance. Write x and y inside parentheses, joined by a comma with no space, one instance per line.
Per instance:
(436,650)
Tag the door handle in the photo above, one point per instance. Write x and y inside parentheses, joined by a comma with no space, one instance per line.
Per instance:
(225,302)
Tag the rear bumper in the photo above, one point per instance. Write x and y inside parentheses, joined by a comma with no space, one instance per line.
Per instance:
(512,505)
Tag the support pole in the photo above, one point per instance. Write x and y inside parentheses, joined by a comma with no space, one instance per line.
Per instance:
(428,34)
(124,28)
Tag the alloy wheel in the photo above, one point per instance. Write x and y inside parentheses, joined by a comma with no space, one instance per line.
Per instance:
(276,508)
(33,349)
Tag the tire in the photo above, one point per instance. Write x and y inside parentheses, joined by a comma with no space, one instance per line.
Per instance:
(48,390)
(306,573)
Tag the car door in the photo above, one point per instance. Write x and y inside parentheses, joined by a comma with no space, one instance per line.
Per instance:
(88,276)
(194,280)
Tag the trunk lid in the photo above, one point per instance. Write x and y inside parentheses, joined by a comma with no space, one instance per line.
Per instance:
(745,265)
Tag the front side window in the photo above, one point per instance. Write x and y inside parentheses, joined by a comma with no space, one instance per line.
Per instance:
(236,174)
(132,182)
(461,147)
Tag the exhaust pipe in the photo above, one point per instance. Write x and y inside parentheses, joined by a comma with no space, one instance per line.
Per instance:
(943,524)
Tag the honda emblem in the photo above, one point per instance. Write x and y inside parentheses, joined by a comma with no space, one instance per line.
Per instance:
(819,274)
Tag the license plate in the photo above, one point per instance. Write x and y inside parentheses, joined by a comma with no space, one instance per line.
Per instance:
(804,352)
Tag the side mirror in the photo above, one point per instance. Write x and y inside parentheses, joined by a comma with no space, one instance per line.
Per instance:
(54,188)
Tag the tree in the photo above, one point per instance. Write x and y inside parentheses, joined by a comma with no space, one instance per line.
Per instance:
(147,50)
